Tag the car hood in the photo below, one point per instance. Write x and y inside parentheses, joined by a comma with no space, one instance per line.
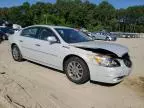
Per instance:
(118,49)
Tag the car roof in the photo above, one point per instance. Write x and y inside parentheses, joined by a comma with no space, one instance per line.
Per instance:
(49,26)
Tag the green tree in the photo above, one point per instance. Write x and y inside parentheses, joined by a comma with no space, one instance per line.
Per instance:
(77,13)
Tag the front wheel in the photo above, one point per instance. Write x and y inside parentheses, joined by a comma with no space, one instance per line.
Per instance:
(16,53)
(76,70)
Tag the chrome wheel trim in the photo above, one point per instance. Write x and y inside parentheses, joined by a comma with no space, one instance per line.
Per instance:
(75,70)
(15,53)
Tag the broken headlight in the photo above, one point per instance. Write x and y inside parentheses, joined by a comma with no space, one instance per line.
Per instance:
(107,61)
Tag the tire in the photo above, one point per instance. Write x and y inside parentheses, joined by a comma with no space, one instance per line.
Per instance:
(4,37)
(78,74)
(17,56)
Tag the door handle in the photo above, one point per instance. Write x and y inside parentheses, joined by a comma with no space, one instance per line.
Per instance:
(37,44)
(20,40)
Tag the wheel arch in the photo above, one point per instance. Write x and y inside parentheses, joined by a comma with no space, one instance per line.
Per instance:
(13,44)
(73,55)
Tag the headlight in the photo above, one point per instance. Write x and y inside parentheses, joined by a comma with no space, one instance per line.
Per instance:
(106,61)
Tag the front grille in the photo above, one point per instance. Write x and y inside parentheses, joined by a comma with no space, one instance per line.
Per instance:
(127,60)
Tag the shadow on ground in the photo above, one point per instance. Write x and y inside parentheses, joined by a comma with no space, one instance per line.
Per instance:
(93,82)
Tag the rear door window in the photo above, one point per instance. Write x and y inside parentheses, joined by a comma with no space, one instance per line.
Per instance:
(30,32)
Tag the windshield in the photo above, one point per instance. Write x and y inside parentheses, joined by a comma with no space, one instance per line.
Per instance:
(72,35)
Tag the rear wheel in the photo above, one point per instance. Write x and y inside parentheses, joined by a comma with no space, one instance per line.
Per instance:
(76,70)
(16,53)
(4,37)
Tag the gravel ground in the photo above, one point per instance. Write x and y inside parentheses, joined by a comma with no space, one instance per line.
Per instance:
(29,85)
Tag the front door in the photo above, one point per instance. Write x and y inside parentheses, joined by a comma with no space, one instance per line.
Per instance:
(49,53)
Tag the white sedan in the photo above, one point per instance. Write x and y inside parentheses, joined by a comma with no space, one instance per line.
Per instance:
(71,51)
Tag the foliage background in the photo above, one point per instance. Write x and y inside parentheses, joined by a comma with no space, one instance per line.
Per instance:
(78,14)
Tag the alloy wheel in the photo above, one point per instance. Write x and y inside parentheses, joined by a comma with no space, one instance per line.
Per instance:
(75,70)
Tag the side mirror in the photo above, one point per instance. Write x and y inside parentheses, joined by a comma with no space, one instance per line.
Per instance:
(52,39)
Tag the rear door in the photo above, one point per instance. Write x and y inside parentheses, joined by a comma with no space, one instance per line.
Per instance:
(29,43)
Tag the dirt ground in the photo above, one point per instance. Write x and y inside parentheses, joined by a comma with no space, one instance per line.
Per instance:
(29,85)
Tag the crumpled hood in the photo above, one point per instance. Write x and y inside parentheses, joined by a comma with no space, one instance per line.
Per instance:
(118,49)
